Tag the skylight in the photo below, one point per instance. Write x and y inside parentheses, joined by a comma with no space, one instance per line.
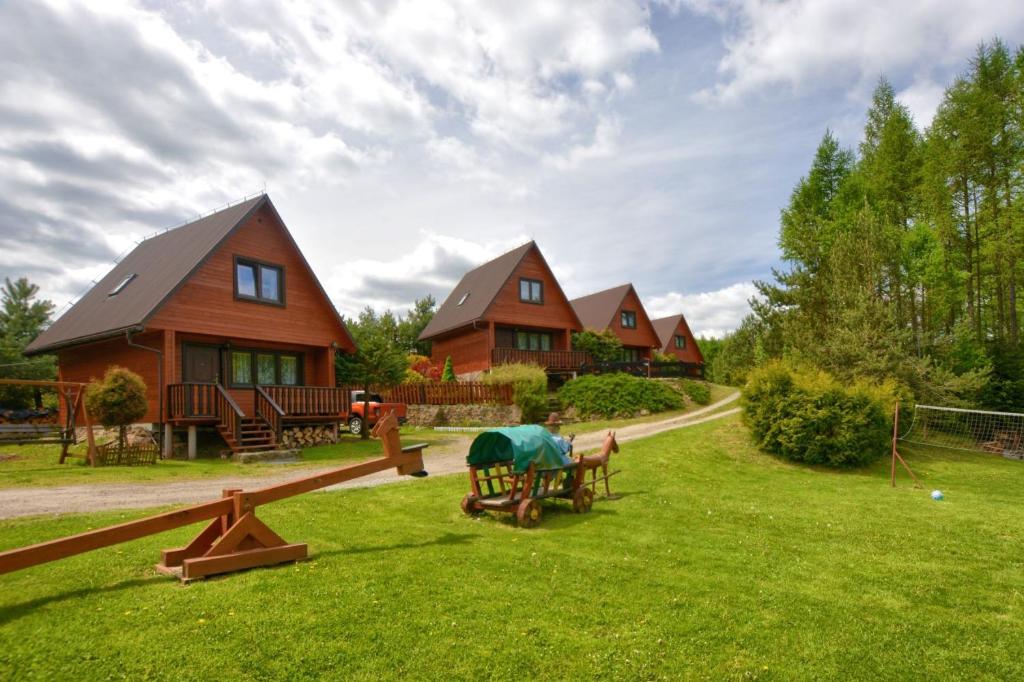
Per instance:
(463,299)
(121,285)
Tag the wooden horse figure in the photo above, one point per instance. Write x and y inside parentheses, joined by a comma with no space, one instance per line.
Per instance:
(592,463)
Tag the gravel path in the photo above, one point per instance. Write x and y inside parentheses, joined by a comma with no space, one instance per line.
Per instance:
(440,461)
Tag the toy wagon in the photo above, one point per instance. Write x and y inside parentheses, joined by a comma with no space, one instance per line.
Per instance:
(512,469)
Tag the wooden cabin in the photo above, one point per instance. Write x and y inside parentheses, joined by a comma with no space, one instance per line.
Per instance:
(224,320)
(677,339)
(620,310)
(510,309)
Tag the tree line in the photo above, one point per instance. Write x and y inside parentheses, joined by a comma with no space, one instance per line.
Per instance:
(903,257)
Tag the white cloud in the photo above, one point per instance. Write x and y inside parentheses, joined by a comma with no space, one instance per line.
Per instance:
(603,146)
(923,98)
(712,313)
(797,43)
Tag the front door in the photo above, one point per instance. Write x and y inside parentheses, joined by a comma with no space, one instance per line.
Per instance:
(200,363)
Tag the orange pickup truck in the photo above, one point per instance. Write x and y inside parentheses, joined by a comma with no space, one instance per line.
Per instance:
(378,408)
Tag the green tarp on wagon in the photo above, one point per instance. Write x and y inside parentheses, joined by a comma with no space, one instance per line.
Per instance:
(521,444)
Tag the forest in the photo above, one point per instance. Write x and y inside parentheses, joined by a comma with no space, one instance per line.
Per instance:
(902,258)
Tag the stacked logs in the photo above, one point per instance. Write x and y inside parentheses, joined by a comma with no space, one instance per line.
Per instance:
(308,436)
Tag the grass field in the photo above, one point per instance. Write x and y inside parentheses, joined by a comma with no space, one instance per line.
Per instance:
(36,465)
(717,562)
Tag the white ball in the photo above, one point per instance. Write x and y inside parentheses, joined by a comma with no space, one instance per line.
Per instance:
(937,495)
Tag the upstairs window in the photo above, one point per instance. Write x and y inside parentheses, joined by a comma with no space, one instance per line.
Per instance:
(531,290)
(260,282)
(628,319)
(680,341)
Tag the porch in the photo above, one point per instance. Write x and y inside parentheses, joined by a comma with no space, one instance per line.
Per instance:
(268,409)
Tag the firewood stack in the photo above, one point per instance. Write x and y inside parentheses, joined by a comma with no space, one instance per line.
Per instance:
(308,436)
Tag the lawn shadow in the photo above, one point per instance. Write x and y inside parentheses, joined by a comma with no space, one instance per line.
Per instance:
(16,611)
(447,539)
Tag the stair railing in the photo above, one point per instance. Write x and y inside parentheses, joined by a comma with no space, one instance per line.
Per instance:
(269,411)
(229,414)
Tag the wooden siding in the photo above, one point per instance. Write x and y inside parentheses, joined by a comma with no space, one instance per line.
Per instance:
(470,349)
(692,351)
(85,363)
(643,337)
(554,314)
(206,303)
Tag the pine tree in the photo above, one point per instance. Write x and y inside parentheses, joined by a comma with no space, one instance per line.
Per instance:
(448,374)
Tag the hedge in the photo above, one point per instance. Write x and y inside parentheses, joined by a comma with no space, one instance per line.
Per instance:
(697,391)
(617,395)
(529,388)
(808,416)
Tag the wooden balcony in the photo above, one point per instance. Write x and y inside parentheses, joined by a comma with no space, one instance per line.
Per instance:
(551,360)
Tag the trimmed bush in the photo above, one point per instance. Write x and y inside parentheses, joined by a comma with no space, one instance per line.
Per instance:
(617,395)
(808,416)
(529,388)
(697,391)
(118,400)
(448,373)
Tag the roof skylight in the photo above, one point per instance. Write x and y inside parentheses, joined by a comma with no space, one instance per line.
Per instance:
(463,299)
(121,285)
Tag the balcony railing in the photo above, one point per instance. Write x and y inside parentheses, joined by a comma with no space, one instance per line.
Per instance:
(309,401)
(570,360)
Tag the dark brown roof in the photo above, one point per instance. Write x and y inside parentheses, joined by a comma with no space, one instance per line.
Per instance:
(159,265)
(596,311)
(475,290)
(666,328)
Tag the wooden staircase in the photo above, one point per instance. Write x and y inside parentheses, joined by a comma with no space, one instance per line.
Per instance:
(254,436)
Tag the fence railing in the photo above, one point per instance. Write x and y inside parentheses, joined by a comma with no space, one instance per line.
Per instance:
(446,393)
(309,401)
(229,414)
(548,359)
(643,368)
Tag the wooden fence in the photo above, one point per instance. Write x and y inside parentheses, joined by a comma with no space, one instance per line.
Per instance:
(445,393)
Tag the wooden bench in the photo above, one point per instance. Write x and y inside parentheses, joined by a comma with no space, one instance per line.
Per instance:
(30,434)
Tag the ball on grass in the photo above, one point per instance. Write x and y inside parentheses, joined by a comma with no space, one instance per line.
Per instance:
(937,495)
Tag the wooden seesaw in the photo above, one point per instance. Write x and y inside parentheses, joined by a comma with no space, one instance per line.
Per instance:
(235,539)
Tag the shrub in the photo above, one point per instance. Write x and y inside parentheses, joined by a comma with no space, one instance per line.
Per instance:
(449,370)
(414,377)
(612,395)
(529,388)
(603,346)
(118,400)
(808,416)
(658,356)
(697,391)
(421,365)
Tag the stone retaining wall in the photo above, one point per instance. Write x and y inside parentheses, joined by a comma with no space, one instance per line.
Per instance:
(464,415)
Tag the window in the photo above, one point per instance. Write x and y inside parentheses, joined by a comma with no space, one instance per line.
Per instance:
(241,368)
(628,319)
(259,281)
(531,290)
(533,341)
(631,355)
(121,285)
(463,299)
(680,341)
(249,367)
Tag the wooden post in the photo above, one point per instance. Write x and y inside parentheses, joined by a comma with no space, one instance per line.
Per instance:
(168,445)
(192,441)
(895,434)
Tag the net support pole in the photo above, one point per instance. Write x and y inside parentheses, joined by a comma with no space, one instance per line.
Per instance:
(896,453)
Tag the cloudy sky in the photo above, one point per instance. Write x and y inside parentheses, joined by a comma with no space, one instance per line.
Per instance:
(405,142)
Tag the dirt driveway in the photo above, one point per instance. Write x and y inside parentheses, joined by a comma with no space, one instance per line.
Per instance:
(442,461)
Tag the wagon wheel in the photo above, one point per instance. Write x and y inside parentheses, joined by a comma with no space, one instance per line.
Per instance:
(528,513)
(582,500)
(468,506)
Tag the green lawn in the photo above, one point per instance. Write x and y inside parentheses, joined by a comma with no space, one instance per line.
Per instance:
(717,393)
(36,465)
(717,562)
